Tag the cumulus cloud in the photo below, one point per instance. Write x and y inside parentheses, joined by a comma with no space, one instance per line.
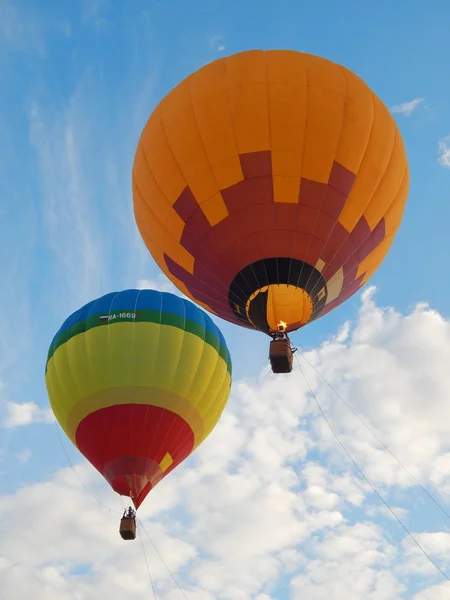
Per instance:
(407,108)
(269,506)
(25,413)
(444,152)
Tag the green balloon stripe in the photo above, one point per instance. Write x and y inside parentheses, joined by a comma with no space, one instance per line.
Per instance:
(143,316)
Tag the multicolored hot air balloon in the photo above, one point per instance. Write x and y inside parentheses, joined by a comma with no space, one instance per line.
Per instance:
(269,185)
(137,380)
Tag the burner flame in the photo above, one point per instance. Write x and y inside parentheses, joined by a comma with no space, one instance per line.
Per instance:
(281,326)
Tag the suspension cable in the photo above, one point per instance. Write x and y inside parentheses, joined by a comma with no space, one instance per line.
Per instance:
(79,478)
(146,563)
(162,560)
(119,513)
(353,411)
(411,536)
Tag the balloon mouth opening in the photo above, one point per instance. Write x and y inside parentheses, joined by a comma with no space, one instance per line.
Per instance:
(133,477)
(284,307)
(274,290)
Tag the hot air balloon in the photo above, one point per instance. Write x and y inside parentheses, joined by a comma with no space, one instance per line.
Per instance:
(137,380)
(269,186)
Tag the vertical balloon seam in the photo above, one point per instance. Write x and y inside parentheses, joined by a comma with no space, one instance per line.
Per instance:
(266,85)
(374,191)
(364,157)
(178,406)
(212,375)
(65,360)
(345,107)
(307,101)
(212,399)
(177,439)
(195,433)
(196,400)
(92,310)
(311,237)
(336,67)
(199,131)
(133,331)
(111,367)
(348,233)
(160,342)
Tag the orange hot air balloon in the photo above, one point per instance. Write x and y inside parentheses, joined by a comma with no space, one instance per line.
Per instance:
(269,185)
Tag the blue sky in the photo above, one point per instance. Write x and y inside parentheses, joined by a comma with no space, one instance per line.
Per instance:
(79,80)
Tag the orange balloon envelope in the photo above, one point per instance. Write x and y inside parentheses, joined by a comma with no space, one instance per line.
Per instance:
(269,185)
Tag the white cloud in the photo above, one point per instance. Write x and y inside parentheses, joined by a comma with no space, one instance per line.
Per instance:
(85,198)
(444,152)
(160,283)
(24,456)
(25,31)
(407,108)
(270,501)
(351,563)
(434,592)
(25,413)
(70,221)
(93,12)
(216,44)
(18,30)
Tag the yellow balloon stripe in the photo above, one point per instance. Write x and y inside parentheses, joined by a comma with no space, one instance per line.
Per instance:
(146,363)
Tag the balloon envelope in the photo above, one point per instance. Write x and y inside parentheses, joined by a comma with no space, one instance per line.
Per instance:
(137,380)
(269,185)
